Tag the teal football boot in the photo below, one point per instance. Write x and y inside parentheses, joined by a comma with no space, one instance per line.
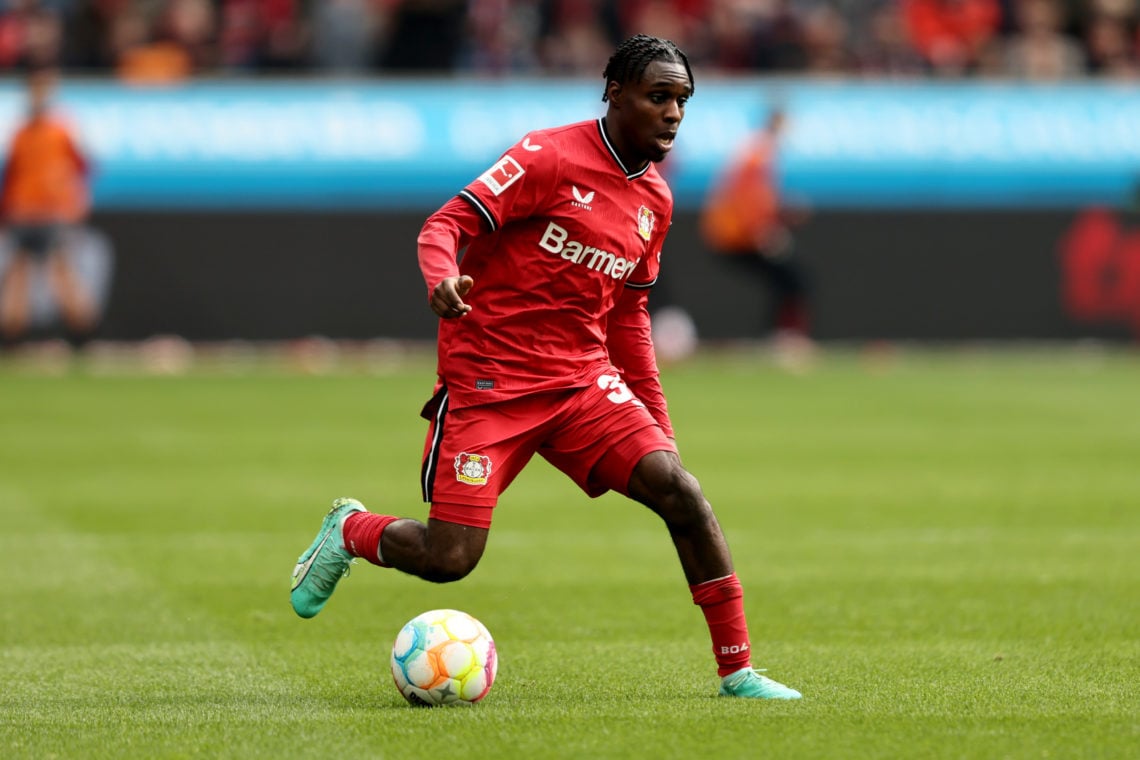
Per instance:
(324,563)
(748,683)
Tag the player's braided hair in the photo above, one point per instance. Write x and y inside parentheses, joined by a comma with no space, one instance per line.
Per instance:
(629,61)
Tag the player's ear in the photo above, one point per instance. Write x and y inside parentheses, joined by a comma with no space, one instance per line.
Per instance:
(614,93)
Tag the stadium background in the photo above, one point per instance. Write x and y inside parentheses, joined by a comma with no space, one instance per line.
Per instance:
(262,167)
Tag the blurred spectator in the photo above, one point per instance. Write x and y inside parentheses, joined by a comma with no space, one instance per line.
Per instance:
(191,25)
(142,58)
(825,39)
(263,34)
(951,34)
(31,35)
(90,34)
(165,40)
(425,35)
(43,197)
(1112,48)
(886,50)
(500,36)
(779,44)
(1039,50)
(344,33)
(575,34)
(677,20)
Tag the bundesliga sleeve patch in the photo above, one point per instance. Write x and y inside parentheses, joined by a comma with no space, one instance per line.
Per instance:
(502,175)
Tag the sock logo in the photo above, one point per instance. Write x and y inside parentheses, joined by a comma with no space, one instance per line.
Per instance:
(735,648)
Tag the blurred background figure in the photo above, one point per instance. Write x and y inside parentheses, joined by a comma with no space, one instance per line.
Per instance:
(43,197)
(1112,39)
(1040,50)
(747,222)
(952,35)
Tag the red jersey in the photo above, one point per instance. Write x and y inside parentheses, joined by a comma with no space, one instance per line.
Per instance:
(563,242)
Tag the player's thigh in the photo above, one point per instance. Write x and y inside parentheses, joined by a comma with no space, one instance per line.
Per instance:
(471,455)
(603,437)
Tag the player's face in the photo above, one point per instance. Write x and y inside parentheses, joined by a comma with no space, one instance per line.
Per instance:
(644,116)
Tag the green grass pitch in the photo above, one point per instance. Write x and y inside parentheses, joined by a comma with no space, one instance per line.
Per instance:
(940,550)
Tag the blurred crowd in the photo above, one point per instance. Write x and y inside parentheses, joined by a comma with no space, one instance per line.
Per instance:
(166,40)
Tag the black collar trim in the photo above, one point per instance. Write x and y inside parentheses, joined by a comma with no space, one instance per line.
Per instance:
(610,147)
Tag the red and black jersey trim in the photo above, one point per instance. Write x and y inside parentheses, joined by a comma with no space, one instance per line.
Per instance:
(613,152)
(642,285)
(485,212)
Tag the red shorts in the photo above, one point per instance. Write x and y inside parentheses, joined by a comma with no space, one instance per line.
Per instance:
(596,435)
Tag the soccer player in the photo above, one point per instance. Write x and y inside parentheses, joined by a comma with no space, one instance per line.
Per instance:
(544,347)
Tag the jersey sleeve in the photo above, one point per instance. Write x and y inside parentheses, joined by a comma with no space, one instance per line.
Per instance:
(629,339)
(515,186)
(629,335)
(443,236)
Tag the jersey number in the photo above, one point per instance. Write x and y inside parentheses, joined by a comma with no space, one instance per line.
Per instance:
(620,393)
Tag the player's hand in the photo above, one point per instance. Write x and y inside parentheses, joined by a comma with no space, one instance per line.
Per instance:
(447,298)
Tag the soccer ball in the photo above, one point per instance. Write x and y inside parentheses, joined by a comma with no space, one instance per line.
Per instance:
(444,657)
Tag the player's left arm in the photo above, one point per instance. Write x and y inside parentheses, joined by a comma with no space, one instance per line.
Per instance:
(629,335)
(630,341)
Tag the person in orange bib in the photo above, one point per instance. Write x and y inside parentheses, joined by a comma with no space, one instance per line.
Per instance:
(43,194)
(745,220)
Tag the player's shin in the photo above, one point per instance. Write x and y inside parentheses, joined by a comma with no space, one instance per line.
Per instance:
(722,602)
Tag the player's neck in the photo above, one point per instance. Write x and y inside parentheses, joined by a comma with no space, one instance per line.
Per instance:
(632,166)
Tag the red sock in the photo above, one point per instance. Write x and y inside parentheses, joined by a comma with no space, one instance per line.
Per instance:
(722,601)
(362,531)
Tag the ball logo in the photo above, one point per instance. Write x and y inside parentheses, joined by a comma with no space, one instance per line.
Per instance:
(472,469)
(645,222)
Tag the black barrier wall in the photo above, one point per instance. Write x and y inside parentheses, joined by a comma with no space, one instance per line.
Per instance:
(907,275)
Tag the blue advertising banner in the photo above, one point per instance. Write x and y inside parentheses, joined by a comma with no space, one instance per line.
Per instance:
(409,144)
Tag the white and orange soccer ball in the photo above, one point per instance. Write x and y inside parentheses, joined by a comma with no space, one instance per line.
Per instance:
(444,657)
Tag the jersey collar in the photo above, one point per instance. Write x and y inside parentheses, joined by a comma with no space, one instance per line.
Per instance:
(610,147)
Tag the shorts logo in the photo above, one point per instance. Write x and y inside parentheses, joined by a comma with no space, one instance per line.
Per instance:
(472,469)
(645,222)
(500,176)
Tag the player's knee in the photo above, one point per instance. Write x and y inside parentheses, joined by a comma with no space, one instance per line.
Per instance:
(674,493)
(657,474)
(448,566)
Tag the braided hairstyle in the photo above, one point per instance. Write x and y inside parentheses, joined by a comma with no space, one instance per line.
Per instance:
(629,61)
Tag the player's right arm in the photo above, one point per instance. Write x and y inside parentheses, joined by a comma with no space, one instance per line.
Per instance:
(512,188)
(444,234)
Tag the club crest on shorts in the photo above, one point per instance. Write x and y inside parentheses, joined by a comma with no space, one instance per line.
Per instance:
(472,469)
(645,222)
